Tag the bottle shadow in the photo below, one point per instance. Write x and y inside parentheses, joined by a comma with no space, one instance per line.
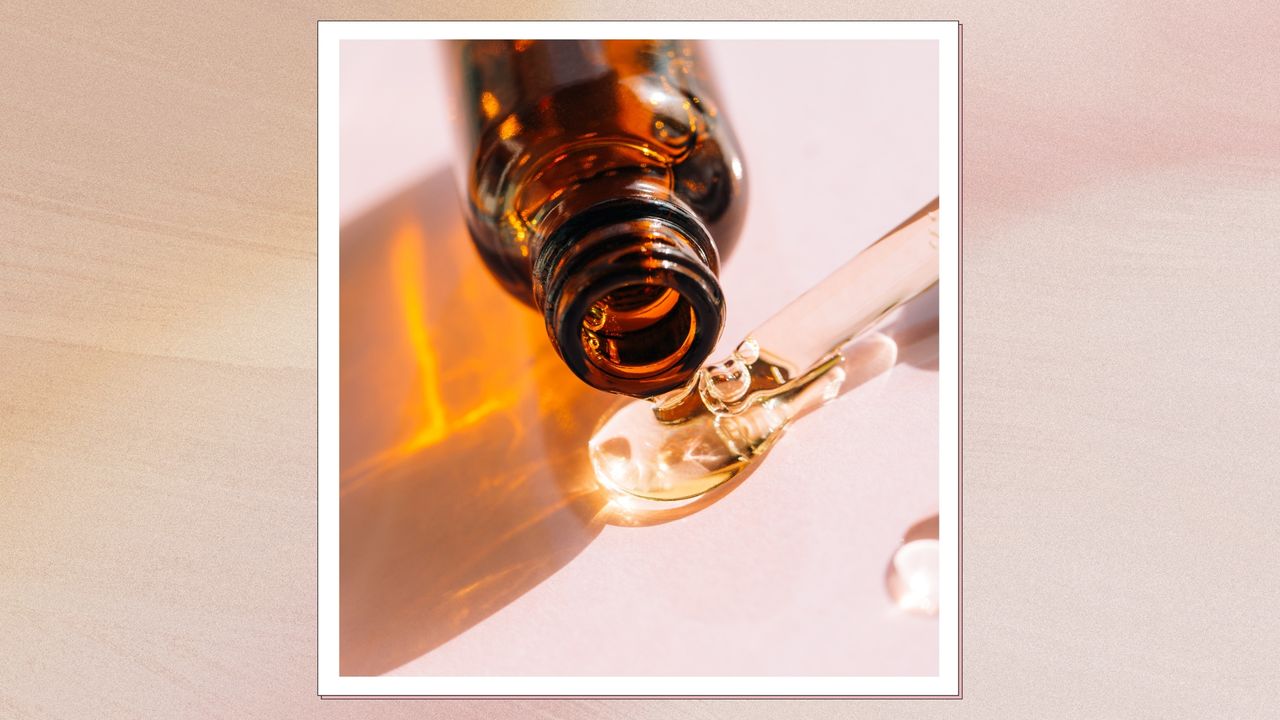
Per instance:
(465,480)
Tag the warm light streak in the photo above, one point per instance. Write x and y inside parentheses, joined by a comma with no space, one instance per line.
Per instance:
(478,413)
(428,419)
(407,264)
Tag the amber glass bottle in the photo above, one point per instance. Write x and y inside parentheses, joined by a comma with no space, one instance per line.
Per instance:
(603,187)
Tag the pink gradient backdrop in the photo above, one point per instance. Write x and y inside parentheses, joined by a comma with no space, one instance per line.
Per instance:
(157,446)
(785,575)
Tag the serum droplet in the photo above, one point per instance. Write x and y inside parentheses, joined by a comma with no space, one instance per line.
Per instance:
(912,577)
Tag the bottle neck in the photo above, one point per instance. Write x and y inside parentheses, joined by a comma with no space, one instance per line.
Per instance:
(629,293)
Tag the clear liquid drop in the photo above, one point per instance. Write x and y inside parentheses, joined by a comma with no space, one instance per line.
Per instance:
(912,577)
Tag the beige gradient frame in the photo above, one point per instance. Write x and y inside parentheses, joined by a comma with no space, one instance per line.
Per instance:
(157,334)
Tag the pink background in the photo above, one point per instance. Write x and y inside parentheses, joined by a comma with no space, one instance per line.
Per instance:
(472,540)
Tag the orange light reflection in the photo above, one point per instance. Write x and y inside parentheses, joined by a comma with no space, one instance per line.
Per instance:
(427,418)
(407,263)
(465,478)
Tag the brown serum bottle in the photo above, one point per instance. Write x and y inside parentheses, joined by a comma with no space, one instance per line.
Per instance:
(603,186)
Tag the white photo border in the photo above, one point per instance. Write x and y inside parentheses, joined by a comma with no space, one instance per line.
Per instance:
(947,682)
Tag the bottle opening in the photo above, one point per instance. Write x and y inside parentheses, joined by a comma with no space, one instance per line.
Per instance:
(631,299)
(638,330)
(641,332)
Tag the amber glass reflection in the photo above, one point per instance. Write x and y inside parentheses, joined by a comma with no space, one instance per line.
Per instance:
(602,187)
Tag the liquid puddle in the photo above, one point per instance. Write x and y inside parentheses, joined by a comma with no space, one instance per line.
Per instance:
(634,453)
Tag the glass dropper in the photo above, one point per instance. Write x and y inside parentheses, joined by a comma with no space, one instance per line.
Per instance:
(691,440)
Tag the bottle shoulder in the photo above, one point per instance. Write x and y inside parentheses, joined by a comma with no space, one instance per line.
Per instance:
(556,128)
(642,133)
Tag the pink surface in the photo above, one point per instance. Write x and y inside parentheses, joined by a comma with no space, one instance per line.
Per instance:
(784,575)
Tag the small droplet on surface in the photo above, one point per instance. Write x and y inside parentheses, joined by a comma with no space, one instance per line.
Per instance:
(912,577)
